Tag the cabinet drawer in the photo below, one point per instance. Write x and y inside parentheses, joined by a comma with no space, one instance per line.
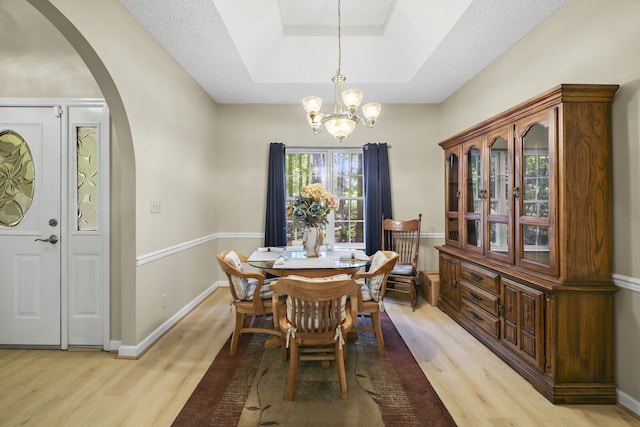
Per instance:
(480,317)
(480,297)
(485,279)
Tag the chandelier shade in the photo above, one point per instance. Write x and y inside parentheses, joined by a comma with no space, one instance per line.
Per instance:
(371,111)
(352,99)
(312,104)
(340,128)
(344,119)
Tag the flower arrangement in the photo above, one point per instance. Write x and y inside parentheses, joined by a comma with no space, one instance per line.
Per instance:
(312,206)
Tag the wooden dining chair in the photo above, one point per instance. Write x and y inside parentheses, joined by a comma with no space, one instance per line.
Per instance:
(373,286)
(251,298)
(314,321)
(403,237)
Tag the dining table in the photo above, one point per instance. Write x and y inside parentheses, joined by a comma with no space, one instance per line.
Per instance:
(293,260)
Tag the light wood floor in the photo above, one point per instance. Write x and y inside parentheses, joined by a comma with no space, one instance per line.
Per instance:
(74,388)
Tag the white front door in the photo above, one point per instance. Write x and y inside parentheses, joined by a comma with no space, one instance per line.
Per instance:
(30,226)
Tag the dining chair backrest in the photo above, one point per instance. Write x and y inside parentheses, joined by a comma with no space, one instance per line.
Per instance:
(231,264)
(314,321)
(251,297)
(372,294)
(316,305)
(403,237)
(382,263)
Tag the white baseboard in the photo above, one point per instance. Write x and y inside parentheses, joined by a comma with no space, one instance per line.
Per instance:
(631,284)
(134,352)
(628,402)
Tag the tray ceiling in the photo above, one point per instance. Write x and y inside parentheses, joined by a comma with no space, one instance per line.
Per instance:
(279,51)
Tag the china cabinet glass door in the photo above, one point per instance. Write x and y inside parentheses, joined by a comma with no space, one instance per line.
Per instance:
(535,192)
(452,179)
(473,196)
(499,209)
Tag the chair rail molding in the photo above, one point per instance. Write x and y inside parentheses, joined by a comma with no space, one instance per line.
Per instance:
(626,282)
(156,255)
(432,236)
(161,253)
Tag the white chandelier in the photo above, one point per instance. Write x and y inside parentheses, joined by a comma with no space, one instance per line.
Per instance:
(344,119)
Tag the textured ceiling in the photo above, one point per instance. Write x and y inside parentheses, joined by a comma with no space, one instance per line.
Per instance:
(279,51)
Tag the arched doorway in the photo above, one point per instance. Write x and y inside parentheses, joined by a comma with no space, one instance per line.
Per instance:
(123,236)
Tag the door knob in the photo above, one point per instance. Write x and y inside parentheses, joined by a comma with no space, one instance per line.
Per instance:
(53,239)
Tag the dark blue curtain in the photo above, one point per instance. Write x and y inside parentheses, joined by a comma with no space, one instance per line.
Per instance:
(377,193)
(275,230)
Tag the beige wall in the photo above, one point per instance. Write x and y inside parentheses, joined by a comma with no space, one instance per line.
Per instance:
(410,130)
(159,112)
(36,60)
(585,41)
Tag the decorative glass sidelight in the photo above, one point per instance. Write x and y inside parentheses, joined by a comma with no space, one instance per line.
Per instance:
(87,177)
(17,178)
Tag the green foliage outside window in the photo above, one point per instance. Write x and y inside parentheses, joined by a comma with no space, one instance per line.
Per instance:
(342,174)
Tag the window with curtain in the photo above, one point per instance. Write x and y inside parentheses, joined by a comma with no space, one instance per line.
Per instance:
(341,171)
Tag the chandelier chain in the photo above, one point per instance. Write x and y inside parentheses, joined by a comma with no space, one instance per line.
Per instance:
(344,119)
(339,39)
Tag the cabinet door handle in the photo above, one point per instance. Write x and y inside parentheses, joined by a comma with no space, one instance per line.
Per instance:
(516,192)
(475,296)
(476,316)
(475,276)
(457,194)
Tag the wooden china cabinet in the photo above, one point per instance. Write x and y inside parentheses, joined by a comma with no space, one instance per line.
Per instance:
(526,264)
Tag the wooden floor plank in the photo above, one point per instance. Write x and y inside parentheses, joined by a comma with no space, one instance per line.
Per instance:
(61,388)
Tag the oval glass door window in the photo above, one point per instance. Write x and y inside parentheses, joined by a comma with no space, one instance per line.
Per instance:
(17,178)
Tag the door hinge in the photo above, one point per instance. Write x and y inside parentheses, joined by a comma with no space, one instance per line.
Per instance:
(57,111)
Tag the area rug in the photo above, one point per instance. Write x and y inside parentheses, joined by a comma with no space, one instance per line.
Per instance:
(250,388)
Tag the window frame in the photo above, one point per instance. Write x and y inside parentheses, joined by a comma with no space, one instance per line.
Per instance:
(330,184)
